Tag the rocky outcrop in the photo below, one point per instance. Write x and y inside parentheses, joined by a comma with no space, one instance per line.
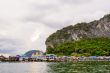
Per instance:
(97,28)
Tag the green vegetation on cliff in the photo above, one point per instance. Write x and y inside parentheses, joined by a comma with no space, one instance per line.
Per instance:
(78,39)
(83,47)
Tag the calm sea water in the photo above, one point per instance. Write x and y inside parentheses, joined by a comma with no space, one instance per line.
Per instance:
(35,67)
(43,67)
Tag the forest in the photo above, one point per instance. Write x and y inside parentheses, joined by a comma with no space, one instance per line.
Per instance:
(84,47)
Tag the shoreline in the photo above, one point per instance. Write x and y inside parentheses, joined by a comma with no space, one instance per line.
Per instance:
(53,61)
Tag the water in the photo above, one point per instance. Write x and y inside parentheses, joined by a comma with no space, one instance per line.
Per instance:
(80,67)
(35,67)
(43,67)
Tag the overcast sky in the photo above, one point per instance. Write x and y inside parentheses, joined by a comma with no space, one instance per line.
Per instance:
(25,24)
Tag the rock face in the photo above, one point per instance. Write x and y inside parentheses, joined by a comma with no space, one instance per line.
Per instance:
(97,28)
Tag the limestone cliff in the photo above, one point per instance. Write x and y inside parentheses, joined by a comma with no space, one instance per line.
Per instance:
(97,28)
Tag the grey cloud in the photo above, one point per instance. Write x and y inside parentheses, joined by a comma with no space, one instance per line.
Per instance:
(45,7)
(25,24)
(7,51)
(40,12)
(58,25)
(75,1)
(8,45)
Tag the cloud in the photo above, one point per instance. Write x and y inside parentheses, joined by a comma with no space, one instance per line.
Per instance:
(75,1)
(8,45)
(25,24)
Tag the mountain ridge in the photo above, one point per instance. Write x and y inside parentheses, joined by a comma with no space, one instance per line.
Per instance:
(94,29)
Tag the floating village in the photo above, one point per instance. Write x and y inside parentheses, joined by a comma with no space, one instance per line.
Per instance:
(38,56)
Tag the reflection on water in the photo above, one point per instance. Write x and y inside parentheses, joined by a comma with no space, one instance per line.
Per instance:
(37,67)
(67,67)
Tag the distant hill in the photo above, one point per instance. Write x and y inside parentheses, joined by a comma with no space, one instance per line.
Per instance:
(95,29)
(33,52)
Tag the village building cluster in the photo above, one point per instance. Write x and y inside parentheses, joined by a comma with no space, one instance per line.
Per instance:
(51,58)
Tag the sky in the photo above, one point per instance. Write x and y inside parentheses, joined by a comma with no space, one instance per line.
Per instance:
(25,24)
